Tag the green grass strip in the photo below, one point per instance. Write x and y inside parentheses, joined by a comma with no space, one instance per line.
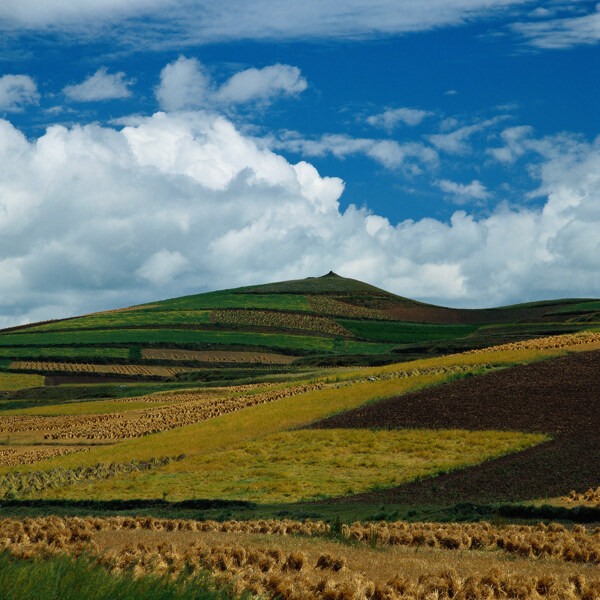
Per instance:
(230,300)
(404,332)
(134,318)
(63,352)
(182,336)
(62,578)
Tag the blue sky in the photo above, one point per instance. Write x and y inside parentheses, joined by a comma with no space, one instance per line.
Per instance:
(446,150)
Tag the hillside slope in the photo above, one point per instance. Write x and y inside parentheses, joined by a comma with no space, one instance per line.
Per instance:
(273,328)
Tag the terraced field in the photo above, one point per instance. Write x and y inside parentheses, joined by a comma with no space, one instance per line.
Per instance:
(323,396)
(319,321)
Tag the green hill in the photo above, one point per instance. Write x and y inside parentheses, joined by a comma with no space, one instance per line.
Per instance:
(265,330)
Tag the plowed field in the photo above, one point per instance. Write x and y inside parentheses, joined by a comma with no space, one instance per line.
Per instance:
(559,396)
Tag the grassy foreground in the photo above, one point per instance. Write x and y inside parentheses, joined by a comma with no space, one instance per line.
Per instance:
(62,578)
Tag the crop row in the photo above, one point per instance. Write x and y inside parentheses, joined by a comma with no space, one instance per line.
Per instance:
(50,529)
(280,320)
(128,318)
(136,423)
(91,368)
(62,353)
(416,372)
(11,457)
(553,341)
(592,495)
(12,484)
(186,396)
(336,308)
(271,572)
(543,541)
(579,544)
(111,337)
(216,356)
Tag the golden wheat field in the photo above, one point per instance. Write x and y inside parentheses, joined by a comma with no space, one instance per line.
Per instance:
(295,560)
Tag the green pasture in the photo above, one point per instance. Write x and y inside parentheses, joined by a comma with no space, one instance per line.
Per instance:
(578,308)
(134,318)
(35,352)
(228,299)
(401,332)
(191,337)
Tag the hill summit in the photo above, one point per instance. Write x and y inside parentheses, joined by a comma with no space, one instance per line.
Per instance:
(331,283)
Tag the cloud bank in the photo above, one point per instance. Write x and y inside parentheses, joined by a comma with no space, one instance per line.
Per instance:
(92,217)
(176,22)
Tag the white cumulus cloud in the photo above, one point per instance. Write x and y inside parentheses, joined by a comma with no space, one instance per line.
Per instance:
(16,91)
(94,217)
(185,83)
(262,84)
(102,85)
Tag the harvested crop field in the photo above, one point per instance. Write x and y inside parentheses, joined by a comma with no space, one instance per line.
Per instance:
(23,455)
(554,341)
(278,320)
(214,356)
(190,408)
(559,396)
(293,560)
(148,371)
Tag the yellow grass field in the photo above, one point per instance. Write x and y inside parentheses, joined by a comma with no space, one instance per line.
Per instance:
(311,464)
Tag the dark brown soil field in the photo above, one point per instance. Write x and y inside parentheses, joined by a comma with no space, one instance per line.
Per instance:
(438,314)
(559,396)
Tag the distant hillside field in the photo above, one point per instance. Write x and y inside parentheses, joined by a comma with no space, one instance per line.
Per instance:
(285,327)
